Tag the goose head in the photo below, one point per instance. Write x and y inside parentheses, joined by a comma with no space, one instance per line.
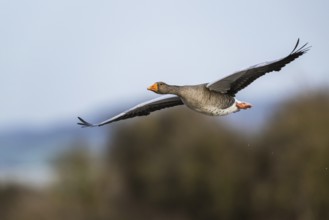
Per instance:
(160,88)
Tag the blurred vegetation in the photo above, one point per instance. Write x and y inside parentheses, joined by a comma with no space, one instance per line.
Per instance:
(180,165)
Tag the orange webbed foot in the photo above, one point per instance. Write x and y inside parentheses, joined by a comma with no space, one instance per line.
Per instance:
(243,105)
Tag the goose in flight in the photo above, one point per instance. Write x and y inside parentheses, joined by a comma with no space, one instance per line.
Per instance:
(216,98)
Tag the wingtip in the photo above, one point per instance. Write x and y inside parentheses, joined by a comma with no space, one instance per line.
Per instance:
(297,43)
(303,49)
(85,124)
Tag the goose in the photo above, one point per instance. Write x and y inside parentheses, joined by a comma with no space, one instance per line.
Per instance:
(216,98)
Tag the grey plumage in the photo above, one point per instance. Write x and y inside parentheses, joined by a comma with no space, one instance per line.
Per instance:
(139,110)
(239,80)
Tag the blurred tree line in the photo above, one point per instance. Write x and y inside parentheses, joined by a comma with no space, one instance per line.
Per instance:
(179,165)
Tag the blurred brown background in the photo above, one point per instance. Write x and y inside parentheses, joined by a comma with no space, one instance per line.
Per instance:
(181,165)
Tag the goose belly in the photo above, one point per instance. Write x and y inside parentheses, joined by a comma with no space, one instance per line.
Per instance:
(215,110)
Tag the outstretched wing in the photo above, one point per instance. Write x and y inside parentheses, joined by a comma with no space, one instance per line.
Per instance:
(239,80)
(139,110)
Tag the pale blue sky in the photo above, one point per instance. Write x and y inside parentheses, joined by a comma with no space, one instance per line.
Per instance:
(62,58)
